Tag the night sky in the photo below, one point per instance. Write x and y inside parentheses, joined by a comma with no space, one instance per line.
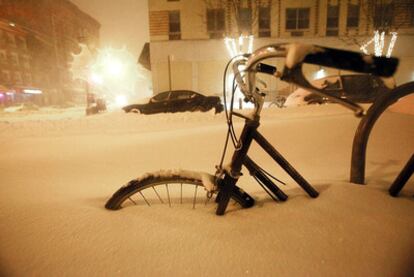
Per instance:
(124,22)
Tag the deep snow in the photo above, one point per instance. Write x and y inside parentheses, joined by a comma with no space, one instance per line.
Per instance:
(58,169)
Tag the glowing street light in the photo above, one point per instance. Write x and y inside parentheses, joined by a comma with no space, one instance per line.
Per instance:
(113,66)
(96,78)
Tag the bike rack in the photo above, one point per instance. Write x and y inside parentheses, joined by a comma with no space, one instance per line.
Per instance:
(365,126)
(402,178)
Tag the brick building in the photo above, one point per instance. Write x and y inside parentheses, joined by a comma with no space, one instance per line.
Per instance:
(15,61)
(50,31)
(190,33)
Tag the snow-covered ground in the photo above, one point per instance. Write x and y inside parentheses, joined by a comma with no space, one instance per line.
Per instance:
(57,169)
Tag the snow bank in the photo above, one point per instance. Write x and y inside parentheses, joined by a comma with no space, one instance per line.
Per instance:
(56,175)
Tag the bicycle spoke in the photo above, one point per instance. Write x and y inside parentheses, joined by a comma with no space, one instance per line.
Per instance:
(159,197)
(168,192)
(195,197)
(145,199)
(130,199)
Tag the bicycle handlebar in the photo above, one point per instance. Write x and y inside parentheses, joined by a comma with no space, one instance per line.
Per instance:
(353,61)
(297,54)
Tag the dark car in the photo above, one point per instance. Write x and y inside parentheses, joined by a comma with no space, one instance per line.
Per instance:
(360,88)
(177,101)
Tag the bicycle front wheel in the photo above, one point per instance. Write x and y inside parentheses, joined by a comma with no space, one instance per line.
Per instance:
(169,188)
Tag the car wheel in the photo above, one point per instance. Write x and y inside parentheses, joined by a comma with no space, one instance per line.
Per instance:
(135,110)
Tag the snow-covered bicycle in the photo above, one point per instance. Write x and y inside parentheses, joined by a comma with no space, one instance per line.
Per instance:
(245,67)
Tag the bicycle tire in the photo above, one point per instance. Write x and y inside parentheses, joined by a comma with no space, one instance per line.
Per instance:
(151,181)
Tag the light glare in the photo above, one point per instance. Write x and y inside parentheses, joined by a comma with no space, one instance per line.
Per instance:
(240,45)
(32,91)
(121,100)
(320,74)
(113,66)
(96,79)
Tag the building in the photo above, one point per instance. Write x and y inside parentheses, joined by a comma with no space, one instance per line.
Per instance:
(15,61)
(188,36)
(39,37)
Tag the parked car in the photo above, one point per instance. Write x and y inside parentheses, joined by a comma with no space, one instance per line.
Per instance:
(278,101)
(360,88)
(177,101)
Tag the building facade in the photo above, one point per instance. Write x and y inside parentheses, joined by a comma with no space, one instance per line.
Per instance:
(38,40)
(188,37)
(15,61)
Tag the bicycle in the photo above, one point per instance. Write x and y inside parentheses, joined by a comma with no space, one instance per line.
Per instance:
(223,182)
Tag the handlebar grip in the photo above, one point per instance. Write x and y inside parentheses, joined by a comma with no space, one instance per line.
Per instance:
(266,68)
(354,61)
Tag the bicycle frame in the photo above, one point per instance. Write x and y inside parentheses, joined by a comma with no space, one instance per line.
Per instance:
(240,158)
(295,55)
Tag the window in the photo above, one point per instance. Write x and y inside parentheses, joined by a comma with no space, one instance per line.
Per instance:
(383,16)
(28,79)
(22,42)
(6,75)
(215,23)
(180,95)
(352,19)
(412,17)
(264,22)
(11,39)
(332,20)
(3,57)
(18,78)
(333,17)
(297,18)
(14,59)
(25,62)
(174,25)
(163,96)
(245,20)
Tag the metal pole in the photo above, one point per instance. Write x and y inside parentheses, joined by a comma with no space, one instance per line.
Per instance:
(169,73)
(365,126)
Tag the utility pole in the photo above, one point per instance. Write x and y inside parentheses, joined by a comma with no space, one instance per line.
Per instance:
(169,73)
(56,53)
